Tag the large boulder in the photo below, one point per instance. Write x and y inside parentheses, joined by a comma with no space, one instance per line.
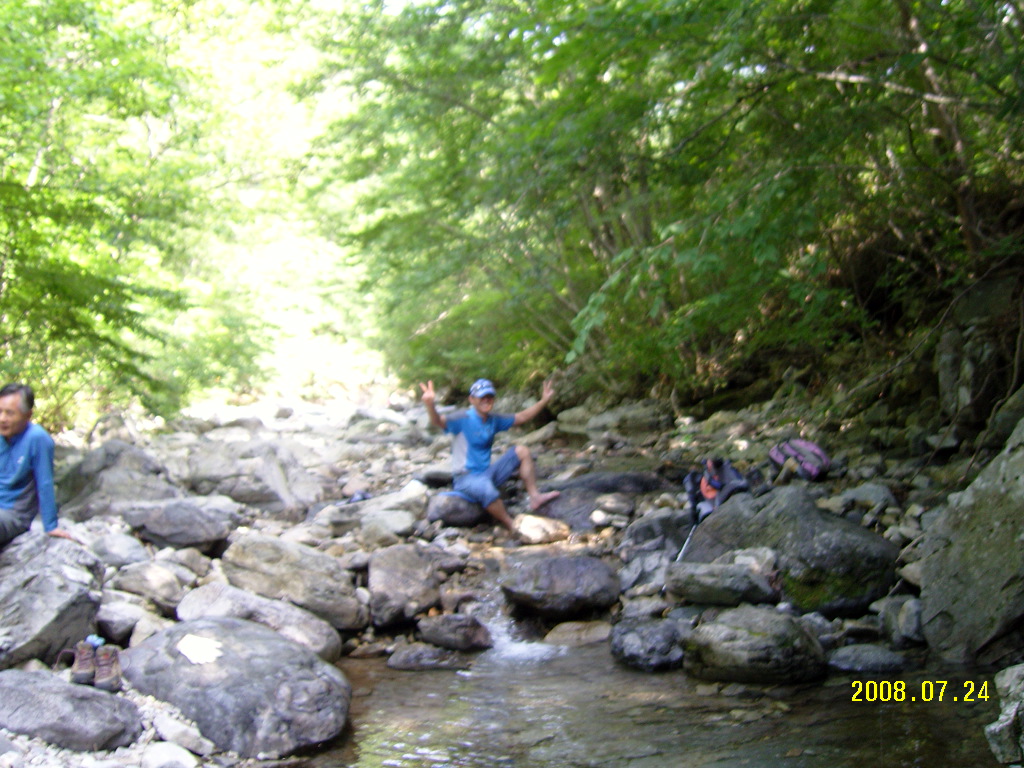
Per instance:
(49,597)
(262,474)
(248,689)
(298,625)
(403,582)
(113,474)
(754,645)
(826,563)
(972,602)
(561,587)
(199,521)
(308,578)
(78,717)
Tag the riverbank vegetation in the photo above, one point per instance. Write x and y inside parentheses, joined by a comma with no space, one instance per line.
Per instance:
(674,196)
(680,195)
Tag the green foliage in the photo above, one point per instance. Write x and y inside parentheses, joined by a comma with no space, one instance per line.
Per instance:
(664,190)
(101,197)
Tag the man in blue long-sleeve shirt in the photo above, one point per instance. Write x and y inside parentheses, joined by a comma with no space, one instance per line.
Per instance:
(26,467)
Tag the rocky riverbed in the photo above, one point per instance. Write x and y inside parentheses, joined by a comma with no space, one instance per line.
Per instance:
(238,556)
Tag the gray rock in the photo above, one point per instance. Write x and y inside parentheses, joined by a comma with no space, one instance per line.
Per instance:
(119,612)
(650,645)
(78,717)
(403,583)
(423,657)
(971,602)
(114,473)
(901,620)
(247,688)
(456,632)
(754,645)
(1005,734)
(454,510)
(727,584)
(160,754)
(302,575)
(867,658)
(561,587)
(667,525)
(200,522)
(298,625)
(158,582)
(119,549)
(49,597)
(580,496)
(263,474)
(827,564)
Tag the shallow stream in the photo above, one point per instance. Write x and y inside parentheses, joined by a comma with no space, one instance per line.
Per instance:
(526,705)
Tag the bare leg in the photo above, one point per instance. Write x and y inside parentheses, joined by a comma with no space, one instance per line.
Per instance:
(496,509)
(528,473)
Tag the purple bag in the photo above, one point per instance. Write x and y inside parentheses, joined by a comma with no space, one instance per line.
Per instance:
(812,460)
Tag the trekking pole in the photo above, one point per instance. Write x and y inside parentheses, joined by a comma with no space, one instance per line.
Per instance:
(686,543)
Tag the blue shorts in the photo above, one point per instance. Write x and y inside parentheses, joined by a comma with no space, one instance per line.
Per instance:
(482,487)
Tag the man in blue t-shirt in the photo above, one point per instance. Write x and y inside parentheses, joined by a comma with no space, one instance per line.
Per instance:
(474,475)
(26,467)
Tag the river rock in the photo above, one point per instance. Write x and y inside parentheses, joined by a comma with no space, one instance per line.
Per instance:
(580,496)
(456,632)
(120,612)
(901,620)
(201,521)
(403,583)
(117,549)
(114,473)
(452,509)
(971,602)
(754,645)
(262,474)
(248,689)
(49,597)
(826,563)
(1005,734)
(535,529)
(579,633)
(728,584)
(423,657)
(561,586)
(159,582)
(161,754)
(79,717)
(650,645)
(296,624)
(868,658)
(308,578)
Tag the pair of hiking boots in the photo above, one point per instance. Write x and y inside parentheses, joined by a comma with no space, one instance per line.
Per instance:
(98,666)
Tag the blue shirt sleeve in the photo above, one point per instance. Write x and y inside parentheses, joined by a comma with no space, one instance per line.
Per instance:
(42,467)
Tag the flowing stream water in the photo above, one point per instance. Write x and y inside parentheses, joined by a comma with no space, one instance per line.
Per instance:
(529,704)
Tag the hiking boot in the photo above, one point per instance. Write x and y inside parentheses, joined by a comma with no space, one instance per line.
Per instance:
(83,668)
(108,668)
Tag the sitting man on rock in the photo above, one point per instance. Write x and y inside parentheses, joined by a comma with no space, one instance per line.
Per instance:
(474,476)
(26,467)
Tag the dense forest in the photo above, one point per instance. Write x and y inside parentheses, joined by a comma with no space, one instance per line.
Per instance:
(673,196)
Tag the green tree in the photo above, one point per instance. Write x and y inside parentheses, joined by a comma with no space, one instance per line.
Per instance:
(104,192)
(665,190)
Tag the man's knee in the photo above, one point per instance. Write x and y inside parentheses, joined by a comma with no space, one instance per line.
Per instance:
(522,452)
